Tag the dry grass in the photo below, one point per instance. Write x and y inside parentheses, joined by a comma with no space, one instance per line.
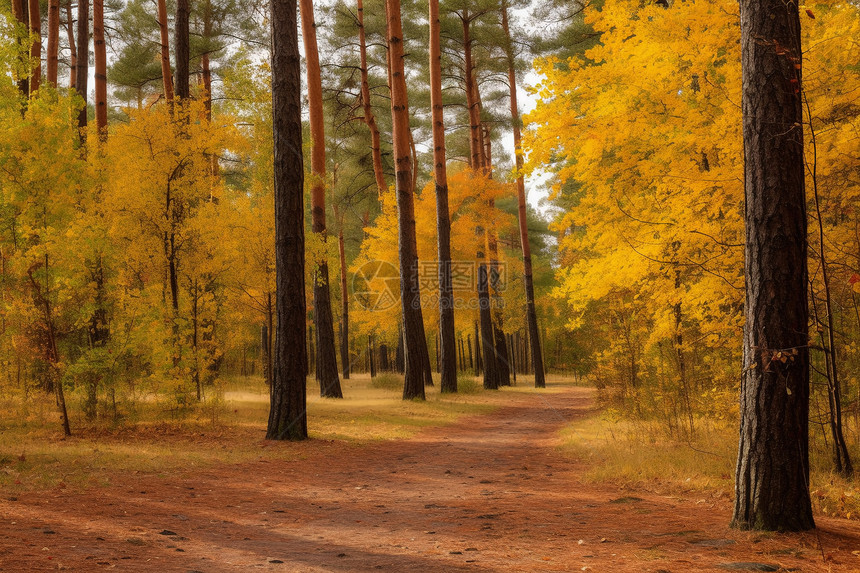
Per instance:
(638,454)
(228,427)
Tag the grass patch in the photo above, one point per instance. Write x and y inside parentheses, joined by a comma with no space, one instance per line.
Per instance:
(638,454)
(388,381)
(228,427)
(469,385)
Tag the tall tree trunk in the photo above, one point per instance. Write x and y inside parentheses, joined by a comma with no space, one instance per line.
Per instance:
(182,50)
(491,381)
(447,349)
(21,11)
(369,117)
(166,74)
(344,303)
(206,71)
(73,48)
(326,353)
(841,456)
(83,58)
(53,41)
(503,370)
(100,65)
(772,476)
(36,46)
(287,415)
(416,344)
(531,313)
(475,148)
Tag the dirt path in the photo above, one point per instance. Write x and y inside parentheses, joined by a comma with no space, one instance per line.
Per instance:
(491,493)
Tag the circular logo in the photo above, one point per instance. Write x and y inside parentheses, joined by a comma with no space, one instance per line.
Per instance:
(376,285)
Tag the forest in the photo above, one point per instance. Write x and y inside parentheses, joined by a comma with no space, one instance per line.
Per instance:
(355,219)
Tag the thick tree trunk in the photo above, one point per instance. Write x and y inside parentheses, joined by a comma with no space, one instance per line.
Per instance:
(772,477)
(166,74)
(416,344)
(326,354)
(36,46)
(369,117)
(182,50)
(100,61)
(531,313)
(53,41)
(287,416)
(83,58)
(447,350)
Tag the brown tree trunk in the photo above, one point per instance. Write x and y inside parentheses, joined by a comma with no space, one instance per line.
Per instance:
(53,41)
(83,58)
(36,46)
(287,416)
(772,476)
(416,344)
(73,48)
(344,309)
(101,66)
(447,349)
(182,50)
(842,458)
(21,11)
(491,381)
(531,313)
(326,354)
(475,149)
(206,71)
(369,117)
(503,370)
(166,74)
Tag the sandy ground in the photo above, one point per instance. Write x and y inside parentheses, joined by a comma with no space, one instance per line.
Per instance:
(490,493)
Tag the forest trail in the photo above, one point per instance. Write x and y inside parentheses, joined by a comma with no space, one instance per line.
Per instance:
(489,493)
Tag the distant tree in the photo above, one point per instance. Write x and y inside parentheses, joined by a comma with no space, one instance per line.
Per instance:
(410,295)
(326,363)
(447,348)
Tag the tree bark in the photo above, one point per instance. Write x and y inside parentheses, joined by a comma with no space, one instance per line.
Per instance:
(287,415)
(531,313)
(182,50)
(772,476)
(344,304)
(100,61)
(21,11)
(166,74)
(36,46)
(326,354)
(53,41)
(447,349)
(73,48)
(491,381)
(416,344)
(475,148)
(83,58)
(369,117)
